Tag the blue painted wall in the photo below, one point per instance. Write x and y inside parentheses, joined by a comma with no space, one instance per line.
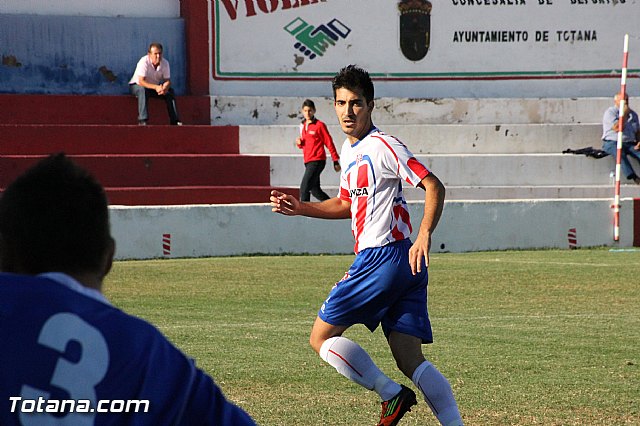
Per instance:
(83,55)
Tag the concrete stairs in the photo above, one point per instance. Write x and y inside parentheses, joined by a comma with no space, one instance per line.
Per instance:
(96,109)
(482,149)
(138,165)
(516,157)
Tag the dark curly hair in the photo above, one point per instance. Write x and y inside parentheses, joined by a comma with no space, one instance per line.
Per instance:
(355,79)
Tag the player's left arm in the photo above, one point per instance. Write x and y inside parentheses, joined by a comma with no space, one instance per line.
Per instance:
(433,205)
(166,82)
(328,142)
(164,87)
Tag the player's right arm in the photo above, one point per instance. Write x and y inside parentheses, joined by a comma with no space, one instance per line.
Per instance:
(288,205)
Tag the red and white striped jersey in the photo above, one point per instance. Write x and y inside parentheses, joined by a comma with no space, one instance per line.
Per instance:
(372,173)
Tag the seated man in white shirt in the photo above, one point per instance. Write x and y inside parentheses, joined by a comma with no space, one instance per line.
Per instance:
(630,135)
(152,78)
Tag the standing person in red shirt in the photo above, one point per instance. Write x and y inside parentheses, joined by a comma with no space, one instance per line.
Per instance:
(314,136)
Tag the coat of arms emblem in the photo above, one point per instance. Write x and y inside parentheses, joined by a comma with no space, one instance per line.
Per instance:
(415,28)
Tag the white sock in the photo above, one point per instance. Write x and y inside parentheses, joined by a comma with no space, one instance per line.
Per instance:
(356,365)
(437,393)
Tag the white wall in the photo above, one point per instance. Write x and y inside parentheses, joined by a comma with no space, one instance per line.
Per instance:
(440,138)
(542,49)
(278,110)
(479,170)
(223,230)
(108,8)
(570,88)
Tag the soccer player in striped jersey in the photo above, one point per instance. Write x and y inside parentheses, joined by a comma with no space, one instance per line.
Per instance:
(387,283)
(66,354)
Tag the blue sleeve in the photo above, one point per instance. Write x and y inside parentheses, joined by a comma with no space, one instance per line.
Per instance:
(207,405)
(179,393)
(179,390)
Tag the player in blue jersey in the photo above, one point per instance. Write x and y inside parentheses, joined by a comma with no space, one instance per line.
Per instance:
(387,283)
(67,356)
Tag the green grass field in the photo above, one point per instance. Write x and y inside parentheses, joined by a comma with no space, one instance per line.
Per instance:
(525,338)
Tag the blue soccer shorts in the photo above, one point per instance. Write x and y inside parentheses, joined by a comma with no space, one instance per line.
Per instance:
(380,289)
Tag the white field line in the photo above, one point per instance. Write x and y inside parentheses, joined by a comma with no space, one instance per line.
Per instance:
(278,324)
(531,317)
(538,262)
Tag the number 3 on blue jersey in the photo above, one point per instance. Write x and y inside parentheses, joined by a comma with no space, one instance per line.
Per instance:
(78,379)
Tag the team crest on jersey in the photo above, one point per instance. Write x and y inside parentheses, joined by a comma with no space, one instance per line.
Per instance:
(415,28)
